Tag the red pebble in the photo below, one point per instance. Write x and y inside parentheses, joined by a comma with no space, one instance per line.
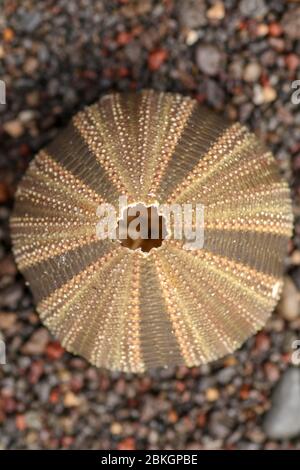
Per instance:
(20,422)
(67,441)
(54,350)
(244,392)
(124,38)
(156,59)
(126,444)
(54,396)
(275,29)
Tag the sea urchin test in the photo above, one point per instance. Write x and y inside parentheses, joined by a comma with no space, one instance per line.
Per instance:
(134,302)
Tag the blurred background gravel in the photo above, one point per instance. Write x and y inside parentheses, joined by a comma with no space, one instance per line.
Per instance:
(238,57)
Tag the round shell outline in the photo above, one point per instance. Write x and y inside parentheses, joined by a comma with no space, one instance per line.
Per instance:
(116,307)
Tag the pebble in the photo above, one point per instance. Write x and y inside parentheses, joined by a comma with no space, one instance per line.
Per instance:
(71,400)
(116,428)
(291,23)
(11,296)
(289,305)
(283,419)
(263,95)
(226,375)
(156,59)
(26,116)
(14,128)
(54,350)
(7,320)
(253,8)
(37,342)
(191,13)
(252,72)
(208,59)
(212,394)
(216,12)
(31,65)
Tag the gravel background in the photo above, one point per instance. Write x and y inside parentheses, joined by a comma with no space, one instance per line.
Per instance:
(240,58)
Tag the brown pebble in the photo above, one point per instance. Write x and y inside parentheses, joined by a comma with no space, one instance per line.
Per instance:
(37,342)
(4,193)
(7,320)
(71,400)
(8,34)
(212,394)
(216,12)
(14,128)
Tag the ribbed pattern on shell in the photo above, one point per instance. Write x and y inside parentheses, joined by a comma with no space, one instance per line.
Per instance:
(123,310)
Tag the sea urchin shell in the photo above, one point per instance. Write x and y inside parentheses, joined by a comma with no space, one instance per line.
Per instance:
(122,308)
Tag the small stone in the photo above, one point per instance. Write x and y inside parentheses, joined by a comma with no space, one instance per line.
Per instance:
(283,419)
(191,37)
(37,342)
(256,435)
(253,8)
(14,128)
(116,428)
(212,394)
(289,305)
(7,320)
(208,59)
(127,444)
(172,416)
(291,23)
(191,14)
(20,422)
(295,258)
(275,29)
(252,72)
(226,375)
(269,93)
(31,65)
(4,193)
(262,342)
(8,34)
(262,29)
(133,51)
(54,350)
(71,401)
(8,266)
(292,61)
(263,95)
(156,59)
(33,98)
(33,420)
(215,94)
(216,12)
(218,425)
(31,20)
(11,296)
(272,372)
(26,116)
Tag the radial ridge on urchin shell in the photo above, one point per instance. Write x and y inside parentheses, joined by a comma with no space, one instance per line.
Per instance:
(115,306)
